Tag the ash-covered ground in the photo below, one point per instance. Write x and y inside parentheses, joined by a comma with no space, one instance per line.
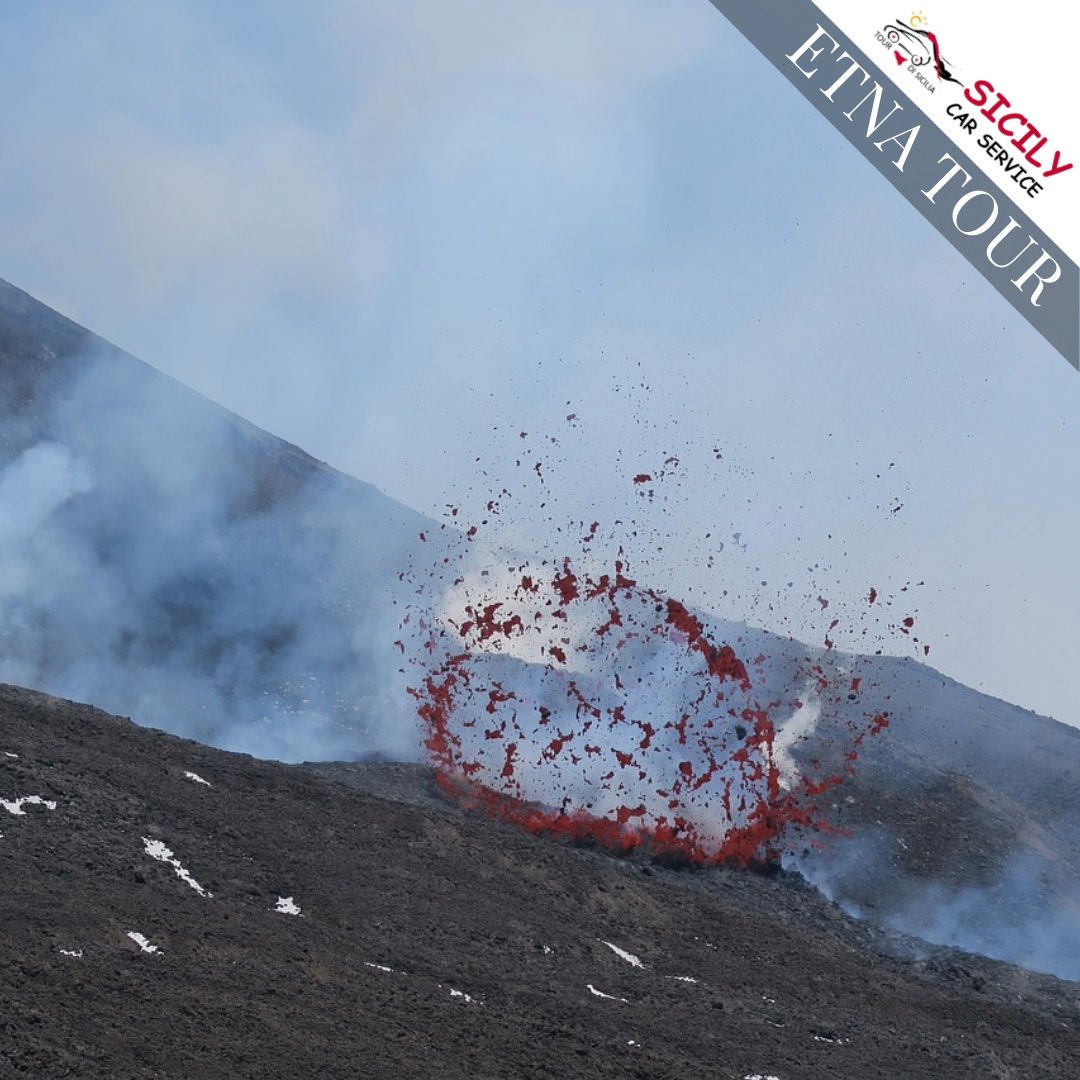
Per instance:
(341,920)
(163,559)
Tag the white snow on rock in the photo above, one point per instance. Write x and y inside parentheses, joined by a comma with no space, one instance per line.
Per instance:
(630,958)
(16,807)
(8,753)
(286,906)
(142,942)
(456,995)
(157,850)
(760,1076)
(77,953)
(682,978)
(600,994)
(196,778)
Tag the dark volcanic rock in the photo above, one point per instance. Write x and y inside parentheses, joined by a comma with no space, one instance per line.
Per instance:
(162,557)
(494,940)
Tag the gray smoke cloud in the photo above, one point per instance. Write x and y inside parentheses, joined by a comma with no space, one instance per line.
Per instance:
(962,824)
(163,559)
(1020,917)
(1025,913)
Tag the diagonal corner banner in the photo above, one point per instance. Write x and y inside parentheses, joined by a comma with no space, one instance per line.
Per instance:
(964,185)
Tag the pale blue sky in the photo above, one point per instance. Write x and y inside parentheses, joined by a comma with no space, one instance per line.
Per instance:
(382,229)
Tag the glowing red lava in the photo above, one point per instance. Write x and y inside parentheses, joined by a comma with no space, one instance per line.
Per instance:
(583,704)
(627,726)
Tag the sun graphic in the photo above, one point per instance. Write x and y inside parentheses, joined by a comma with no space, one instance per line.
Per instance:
(917,19)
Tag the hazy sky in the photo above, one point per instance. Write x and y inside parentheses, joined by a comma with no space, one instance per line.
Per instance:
(400,232)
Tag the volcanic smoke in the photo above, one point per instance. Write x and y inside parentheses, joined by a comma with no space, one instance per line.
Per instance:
(633,728)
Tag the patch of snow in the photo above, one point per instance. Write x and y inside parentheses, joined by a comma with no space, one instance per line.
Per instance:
(834,1042)
(16,807)
(682,978)
(77,953)
(760,1076)
(286,906)
(630,958)
(631,1042)
(765,997)
(548,950)
(600,994)
(196,778)
(8,753)
(456,995)
(157,850)
(142,942)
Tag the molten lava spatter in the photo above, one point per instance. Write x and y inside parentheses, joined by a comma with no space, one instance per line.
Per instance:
(563,695)
(630,728)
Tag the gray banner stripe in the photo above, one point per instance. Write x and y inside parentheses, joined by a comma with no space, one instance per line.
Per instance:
(926,167)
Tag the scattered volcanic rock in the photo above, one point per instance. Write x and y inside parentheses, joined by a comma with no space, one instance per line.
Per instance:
(164,558)
(340,933)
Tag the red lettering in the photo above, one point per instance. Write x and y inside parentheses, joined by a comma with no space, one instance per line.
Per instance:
(1030,155)
(1056,167)
(981,99)
(984,88)
(1002,100)
(1032,130)
(1010,116)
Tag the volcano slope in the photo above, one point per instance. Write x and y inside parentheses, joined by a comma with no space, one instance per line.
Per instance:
(428,942)
(165,559)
